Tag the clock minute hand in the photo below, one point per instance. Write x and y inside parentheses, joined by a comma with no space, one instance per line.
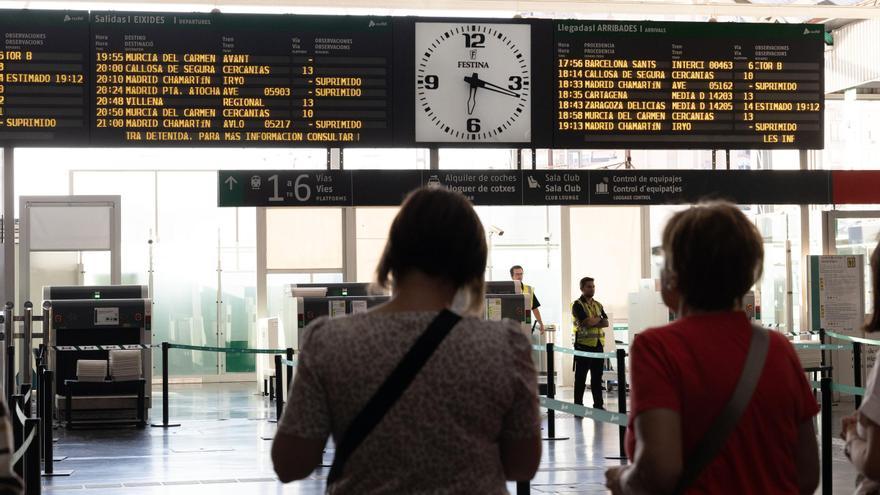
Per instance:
(476,81)
(499,89)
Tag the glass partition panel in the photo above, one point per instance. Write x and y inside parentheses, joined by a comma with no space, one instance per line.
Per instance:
(531,237)
(303,238)
(138,192)
(369,158)
(372,234)
(477,159)
(859,236)
(606,245)
(186,269)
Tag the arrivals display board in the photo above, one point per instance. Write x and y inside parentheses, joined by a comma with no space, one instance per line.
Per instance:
(44,76)
(248,80)
(688,85)
(111,78)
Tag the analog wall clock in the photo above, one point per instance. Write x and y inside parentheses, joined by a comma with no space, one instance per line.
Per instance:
(473,82)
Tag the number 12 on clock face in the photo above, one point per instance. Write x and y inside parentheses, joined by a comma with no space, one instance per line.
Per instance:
(473,83)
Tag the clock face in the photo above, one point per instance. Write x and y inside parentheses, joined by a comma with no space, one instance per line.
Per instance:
(473,82)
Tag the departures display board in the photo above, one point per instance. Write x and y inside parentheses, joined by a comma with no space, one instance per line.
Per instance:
(44,76)
(242,79)
(102,78)
(687,85)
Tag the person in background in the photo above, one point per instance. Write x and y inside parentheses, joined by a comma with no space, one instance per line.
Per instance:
(590,321)
(861,430)
(469,419)
(516,273)
(683,375)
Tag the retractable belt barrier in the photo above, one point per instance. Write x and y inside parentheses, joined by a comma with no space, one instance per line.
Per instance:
(552,404)
(166,346)
(855,345)
(227,350)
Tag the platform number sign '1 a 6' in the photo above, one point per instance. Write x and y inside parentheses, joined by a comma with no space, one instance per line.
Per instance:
(284,188)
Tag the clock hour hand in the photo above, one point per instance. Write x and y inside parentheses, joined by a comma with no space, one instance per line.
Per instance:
(476,82)
(472,100)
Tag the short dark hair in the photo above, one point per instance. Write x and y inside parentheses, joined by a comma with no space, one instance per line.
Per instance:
(514,267)
(874,324)
(436,232)
(585,280)
(715,252)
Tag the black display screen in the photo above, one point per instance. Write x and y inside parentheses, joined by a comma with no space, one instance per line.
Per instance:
(243,80)
(43,77)
(117,79)
(688,85)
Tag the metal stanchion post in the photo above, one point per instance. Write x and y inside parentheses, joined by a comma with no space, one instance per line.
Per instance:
(46,416)
(27,342)
(165,424)
(8,341)
(522,488)
(32,458)
(48,397)
(621,396)
(40,395)
(857,370)
(551,393)
(271,389)
(17,432)
(10,374)
(279,389)
(826,436)
(289,353)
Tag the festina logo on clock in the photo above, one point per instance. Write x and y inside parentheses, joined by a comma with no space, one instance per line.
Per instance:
(473,82)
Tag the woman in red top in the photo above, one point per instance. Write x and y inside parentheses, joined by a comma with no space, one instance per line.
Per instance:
(684,373)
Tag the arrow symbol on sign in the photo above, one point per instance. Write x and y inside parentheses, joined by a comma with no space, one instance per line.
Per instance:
(231,181)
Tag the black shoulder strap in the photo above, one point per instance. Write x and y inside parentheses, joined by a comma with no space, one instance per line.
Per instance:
(726,422)
(390,391)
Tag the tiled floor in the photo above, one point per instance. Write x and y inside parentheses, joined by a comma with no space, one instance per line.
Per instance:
(219,450)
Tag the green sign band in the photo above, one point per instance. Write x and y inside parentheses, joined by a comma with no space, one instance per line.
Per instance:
(227,350)
(848,389)
(851,339)
(838,387)
(584,412)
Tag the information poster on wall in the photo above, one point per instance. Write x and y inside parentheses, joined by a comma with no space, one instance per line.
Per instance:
(838,293)
(493,309)
(837,304)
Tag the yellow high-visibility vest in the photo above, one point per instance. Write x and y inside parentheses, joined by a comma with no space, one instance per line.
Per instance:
(591,336)
(529,291)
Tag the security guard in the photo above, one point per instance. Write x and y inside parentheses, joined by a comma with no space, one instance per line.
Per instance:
(589,321)
(516,273)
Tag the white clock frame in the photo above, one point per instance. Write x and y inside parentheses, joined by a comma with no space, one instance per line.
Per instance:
(496,58)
